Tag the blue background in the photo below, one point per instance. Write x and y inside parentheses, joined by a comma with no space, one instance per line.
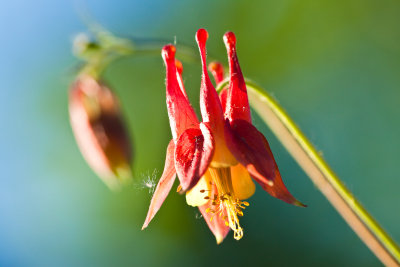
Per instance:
(333,65)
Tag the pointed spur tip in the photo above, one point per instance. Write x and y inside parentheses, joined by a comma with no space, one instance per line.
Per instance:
(270,183)
(230,39)
(201,36)
(299,204)
(179,66)
(217,71)
(168,52)
(219,239)
(145,224)
(215,66)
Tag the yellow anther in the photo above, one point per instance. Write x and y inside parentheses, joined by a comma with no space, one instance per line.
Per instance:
(179,188)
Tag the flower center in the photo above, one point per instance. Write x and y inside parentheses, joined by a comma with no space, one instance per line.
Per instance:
(225,203)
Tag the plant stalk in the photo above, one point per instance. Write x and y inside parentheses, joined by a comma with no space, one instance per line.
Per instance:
(305,154)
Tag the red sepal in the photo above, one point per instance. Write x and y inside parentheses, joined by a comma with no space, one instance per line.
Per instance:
(252,150)
(164,185)
(217,223)
(193,153)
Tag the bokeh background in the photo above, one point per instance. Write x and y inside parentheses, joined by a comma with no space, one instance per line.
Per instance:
(333,65)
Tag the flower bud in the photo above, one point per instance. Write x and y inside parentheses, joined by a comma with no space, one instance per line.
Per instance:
(100,131)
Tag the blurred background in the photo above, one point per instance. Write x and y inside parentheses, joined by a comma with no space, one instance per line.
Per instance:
(333,65)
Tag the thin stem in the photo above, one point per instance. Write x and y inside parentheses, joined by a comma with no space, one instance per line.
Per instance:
(365,226)
(108,48)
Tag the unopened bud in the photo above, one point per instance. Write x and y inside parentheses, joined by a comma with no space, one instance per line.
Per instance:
(100,131)
(83,47)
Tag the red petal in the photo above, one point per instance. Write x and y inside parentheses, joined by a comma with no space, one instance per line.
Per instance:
(217,224)
(237,105)
(251,149)
(164,185)
(193,153)
(217,71)
(180,112)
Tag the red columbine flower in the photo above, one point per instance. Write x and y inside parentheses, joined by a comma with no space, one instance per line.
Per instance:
(99,130)
(216,158)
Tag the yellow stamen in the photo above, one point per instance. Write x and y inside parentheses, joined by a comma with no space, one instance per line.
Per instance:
(226,203)
(179,188)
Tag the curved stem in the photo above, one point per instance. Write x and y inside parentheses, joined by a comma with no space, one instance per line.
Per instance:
(365,226)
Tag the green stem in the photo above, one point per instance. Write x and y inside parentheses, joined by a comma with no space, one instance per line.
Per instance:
(106,48)
(301,149)
(98,61)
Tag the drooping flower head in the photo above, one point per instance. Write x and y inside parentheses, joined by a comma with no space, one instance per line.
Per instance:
(215,159)
(100,131)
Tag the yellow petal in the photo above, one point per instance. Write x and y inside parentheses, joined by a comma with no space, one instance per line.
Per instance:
(222,155)
(243,185)
(197,196)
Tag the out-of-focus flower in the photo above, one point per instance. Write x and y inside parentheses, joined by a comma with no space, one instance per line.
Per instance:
(216,158)
(100,131)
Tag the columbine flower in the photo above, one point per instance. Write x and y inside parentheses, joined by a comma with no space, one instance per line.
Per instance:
(215,159)
(100,131)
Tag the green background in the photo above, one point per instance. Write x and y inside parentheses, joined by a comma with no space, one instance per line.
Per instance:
(333,65)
